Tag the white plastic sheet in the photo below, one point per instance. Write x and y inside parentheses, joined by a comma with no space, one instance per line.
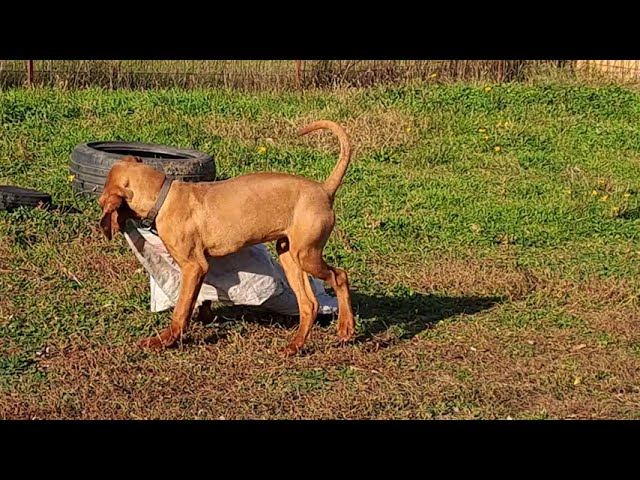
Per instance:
(249,277)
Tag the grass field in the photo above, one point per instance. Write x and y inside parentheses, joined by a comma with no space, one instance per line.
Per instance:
(490,233)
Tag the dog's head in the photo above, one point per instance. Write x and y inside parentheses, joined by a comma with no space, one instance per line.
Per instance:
(116,197)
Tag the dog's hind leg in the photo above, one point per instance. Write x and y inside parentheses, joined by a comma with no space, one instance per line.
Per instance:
(311,261)
(307,302)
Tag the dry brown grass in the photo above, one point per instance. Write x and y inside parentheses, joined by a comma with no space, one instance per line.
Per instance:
(262,74)
(368,131)
(474,367)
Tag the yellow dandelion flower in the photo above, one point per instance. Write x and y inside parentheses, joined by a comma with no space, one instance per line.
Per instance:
(602,181)
(433,75)
(262,150)
(408,129)
(497,148)
(482,130)
(486,137)
(487,89)
(568,192)
(605,198)
(626,195)
(499,124)
(71,178)
(577,381)
(594,193)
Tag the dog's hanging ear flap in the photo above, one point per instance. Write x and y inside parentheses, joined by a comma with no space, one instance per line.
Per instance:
(109,221)
(114,213)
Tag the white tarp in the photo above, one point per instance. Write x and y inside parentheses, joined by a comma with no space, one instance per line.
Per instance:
(248,277)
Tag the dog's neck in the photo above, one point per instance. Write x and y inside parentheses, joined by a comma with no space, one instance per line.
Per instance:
(146,192)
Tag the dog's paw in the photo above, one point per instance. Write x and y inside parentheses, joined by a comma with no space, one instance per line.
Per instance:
(291,350)
(152,343)
(346,334)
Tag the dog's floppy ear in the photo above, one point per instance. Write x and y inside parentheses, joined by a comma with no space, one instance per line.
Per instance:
(132,159)
(109,222)
(114,212)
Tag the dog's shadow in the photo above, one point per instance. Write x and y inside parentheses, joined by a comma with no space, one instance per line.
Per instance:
(406,315)
(409,315)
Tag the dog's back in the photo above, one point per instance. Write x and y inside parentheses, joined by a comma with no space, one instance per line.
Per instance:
(246,210)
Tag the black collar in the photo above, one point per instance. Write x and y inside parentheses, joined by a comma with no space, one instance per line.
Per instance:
(150,221)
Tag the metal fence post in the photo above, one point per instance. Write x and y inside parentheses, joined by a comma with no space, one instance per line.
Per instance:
(299,74)
(29,72)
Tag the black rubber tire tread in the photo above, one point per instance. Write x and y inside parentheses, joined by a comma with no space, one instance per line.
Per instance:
(96,175)
(87,187)
(16,197)
(91,162)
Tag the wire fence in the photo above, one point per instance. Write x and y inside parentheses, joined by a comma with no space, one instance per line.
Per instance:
(625,70)
(260,74)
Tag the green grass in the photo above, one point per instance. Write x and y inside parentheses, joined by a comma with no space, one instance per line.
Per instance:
(475,269)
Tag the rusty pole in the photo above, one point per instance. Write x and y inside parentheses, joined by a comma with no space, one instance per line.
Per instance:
(299,74)
(29,72)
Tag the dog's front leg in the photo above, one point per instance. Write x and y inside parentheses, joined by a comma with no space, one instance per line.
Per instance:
(193,274)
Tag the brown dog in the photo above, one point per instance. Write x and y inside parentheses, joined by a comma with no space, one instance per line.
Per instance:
(199,220)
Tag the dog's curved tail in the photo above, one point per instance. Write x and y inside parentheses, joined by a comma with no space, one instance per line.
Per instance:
(334,181)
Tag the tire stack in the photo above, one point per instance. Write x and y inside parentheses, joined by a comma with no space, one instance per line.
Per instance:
(91,162)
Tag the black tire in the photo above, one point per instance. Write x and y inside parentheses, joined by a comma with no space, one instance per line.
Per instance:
(15,197)
(91,162)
